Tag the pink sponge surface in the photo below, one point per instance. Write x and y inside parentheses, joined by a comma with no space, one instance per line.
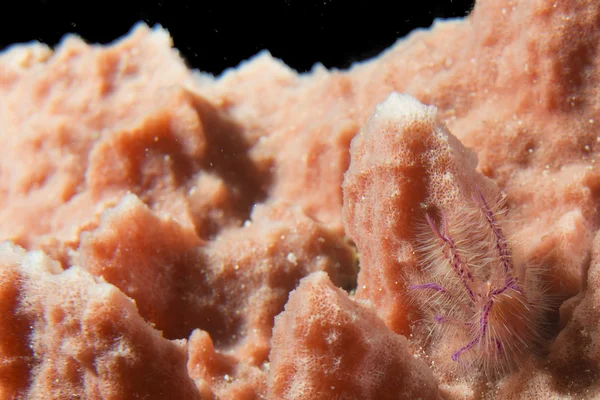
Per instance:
(70,334)
(155,219)
(328,346)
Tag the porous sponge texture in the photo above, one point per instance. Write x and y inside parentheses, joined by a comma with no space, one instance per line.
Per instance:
(83,337)
(180,283)
(328,346)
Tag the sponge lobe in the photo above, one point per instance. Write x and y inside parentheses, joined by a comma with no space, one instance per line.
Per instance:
(327,346)
(403,158)
(84,338)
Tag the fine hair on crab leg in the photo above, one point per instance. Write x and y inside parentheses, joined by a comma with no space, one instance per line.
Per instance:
(436,288)
(456,262)
(476,295)
(432,286)
(511,283)
(441,319)
(483,324)
(501,241)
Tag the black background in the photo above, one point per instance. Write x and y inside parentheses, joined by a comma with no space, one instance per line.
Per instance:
(214,35)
